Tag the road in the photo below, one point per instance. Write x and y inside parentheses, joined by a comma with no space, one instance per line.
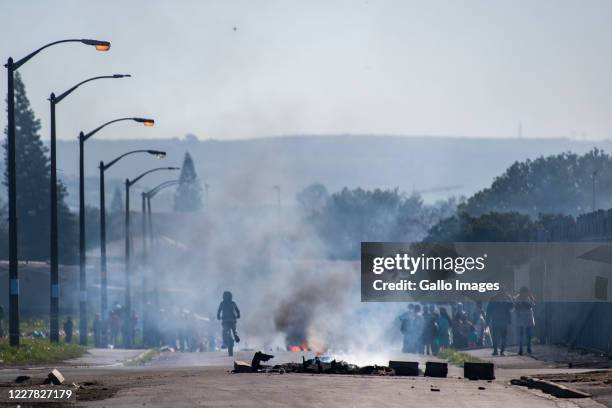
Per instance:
(203,379)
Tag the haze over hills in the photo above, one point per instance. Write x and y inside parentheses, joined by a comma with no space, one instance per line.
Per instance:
(243,172)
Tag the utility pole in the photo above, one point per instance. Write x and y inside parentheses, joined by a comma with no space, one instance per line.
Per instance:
(594,196)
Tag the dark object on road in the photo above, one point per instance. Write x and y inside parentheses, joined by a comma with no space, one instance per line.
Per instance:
(435,369)
(22,378)
(405,368)
(481,388)
(55,377)
(242,367)
(258,358)
(434,389)
(317,365)
(554,389)
(479,371)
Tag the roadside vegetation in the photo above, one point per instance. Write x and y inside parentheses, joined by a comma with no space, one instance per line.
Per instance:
(456,357)
(144,358)
(37,351)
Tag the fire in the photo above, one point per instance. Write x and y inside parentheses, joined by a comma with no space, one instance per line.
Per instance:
(297,349)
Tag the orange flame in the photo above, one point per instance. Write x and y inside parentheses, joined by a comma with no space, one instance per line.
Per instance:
(297,349)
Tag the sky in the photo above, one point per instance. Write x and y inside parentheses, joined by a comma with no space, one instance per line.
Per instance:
(246,69)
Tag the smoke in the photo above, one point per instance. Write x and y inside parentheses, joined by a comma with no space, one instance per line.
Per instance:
(287,292)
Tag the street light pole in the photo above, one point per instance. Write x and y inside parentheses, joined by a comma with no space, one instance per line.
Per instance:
(103,264)
(83,137)
(128,266)
(54,308)
(54,311)
(12,204)
(11,67)
(152,241)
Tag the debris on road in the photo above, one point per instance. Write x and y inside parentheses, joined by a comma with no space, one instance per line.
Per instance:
(405,368)
(435,369)
(479,371)
(549,387)
(55,377)
(22,378)
(329,365)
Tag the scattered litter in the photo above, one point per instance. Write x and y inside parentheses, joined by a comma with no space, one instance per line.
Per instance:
(54,377)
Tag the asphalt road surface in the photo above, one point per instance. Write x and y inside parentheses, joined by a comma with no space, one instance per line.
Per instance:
(203,380)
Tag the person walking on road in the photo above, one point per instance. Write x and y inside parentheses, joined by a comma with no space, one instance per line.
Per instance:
(525,322)
(498,319)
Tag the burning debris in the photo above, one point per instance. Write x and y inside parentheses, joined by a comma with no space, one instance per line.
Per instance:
(329,365)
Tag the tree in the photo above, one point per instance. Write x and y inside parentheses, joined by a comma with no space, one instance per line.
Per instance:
(558,184)
(188,196)
(313,198)
(490,227)
(117,204)
(115,226)
(33,175)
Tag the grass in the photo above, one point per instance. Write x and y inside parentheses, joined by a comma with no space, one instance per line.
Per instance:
(457,357)
(37,351)
(144,358)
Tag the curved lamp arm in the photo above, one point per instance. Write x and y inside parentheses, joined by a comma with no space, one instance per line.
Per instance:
(57,99)
(147,122)
(100,46)
(153,192)
(158,153)
(135,180)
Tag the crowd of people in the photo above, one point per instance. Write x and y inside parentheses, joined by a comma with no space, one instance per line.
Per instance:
(178,329)
(428,327)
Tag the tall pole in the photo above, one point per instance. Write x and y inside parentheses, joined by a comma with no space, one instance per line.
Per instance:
(12,203)
(11,67)
(594,176)
(206,186)
(154,248)
(103,274)
(144,250)
(128,296)
(82,271)
(55,289)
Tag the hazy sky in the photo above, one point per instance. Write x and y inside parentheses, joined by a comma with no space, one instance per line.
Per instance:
(472,68)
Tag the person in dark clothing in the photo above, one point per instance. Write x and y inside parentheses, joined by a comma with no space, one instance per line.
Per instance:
(68,326)
(523,309)
(498,319)
(97,331)
(228,313)
(1,322)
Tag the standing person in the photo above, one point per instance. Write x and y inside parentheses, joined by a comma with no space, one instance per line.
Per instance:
(406,328)
(478,319)
(229,313)
(68,326)
(114,326)
(418,326)
(430,333)
(524,304)
(498,319)
(1,322)
(444,327)
(97,330)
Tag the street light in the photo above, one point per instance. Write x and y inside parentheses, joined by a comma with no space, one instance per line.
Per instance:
(148,220)
(83,137)
(103,272)
(11,67)
(128,300)
(54,309)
